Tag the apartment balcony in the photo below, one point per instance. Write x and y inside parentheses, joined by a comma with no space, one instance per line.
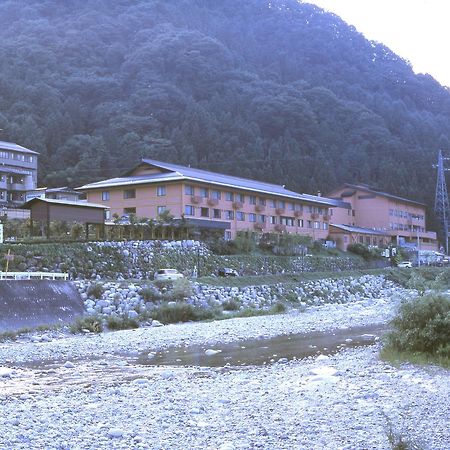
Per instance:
(4,185)
(298,213)
(237,205)
(280,211)
(259,226)
(314,216)
(280,228)
(260,208)
(196,199)
(20,187)
(213,201)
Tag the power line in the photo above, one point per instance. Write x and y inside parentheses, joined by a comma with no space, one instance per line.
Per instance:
(441,202)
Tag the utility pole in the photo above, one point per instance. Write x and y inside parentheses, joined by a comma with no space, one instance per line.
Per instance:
(441,204)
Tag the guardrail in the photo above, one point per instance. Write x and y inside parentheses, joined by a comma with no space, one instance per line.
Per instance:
(33,276)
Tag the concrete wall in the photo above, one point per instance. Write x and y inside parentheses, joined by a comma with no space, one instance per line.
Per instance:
(30,303)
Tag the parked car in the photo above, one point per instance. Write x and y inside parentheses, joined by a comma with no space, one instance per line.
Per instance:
(168,275)
(405,264)
(227,272)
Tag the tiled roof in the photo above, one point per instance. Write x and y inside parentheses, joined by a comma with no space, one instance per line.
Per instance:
(177,172)
(366,188)
(353,229)
(64,203)
(18,148)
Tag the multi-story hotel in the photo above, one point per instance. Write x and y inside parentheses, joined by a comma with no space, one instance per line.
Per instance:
(18,173)
(402,219)
(212,200)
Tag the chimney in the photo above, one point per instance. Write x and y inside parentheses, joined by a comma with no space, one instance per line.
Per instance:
(319,194)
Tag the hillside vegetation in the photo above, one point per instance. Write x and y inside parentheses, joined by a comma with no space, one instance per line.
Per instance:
(273,90)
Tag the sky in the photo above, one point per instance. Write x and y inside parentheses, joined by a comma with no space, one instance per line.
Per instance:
(416,30)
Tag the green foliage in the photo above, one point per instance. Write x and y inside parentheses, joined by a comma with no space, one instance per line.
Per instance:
(181,289)
(88,323)
(245,242)
(121,323)
(233,304)
(423,326)
(181,312)
(8,336)
(95,290)
(150,293)
(364,251)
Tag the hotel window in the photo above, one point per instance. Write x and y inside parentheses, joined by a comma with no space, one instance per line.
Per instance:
(310,209)
(129,210)
(288,221)
(320,211)
(273,203)
(240,198)
(161,209)
(160,191)
(261,218)
(129,193)
(28,159)
(4,155)
(189,210)
(107,214)
(273,220)
(188,190)
(215,195)
(229,215)
(262,201)
(227,235)
(240,216)
(204,212)
(310,225)
(281,204)
(300,223)
(105,196)
(217,213)
(291,206)
(229,196)
(252,199)
(252,217)
(361,239)
(316,225)
(203,192)
(325,225)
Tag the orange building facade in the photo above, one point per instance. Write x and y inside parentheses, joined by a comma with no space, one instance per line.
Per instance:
(211,200)
(402,219)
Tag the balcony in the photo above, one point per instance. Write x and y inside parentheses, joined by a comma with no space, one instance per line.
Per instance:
(17,187)
(314,216)
(298,213)
(237,205)
(260,208)
(259,226)
(213,201)
(280,211)
(326,218)
(196,199)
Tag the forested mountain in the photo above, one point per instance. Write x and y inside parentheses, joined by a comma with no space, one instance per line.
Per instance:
(274,90)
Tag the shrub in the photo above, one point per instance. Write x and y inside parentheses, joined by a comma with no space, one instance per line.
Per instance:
(96,290)
(231,305)
(181,312)
(362,250)
(278,308)
(423,326)
(150,294)
(89,323)
(121,323)
(181,289)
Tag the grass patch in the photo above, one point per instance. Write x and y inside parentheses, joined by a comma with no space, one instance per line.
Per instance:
(92,324)
(121,323)
(8,336)
(95,290)
(182,312)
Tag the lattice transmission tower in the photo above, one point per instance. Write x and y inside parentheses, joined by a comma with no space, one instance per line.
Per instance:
(441,204)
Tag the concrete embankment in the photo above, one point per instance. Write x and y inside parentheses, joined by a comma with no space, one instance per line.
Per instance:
(30,303)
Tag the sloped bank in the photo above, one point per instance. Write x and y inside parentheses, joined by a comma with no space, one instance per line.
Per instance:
(132,299)
(140,259)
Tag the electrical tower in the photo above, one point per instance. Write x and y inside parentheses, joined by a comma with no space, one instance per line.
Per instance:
(441,204)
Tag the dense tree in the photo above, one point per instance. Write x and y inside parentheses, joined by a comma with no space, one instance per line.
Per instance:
(276,90)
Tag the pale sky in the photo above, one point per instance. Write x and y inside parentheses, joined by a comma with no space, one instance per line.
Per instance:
(416,30)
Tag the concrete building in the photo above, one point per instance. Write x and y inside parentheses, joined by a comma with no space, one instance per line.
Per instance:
(402,219)
(18,173)
(212,200)
(59,193)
